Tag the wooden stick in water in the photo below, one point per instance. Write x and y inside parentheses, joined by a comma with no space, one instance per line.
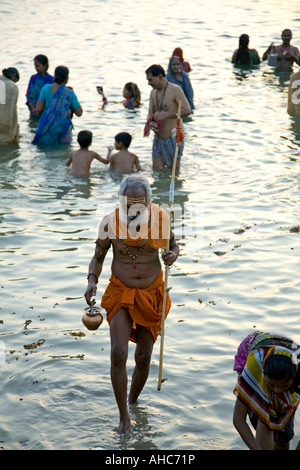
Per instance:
(166,288)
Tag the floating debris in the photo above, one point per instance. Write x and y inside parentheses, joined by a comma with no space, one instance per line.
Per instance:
(77,334)
(220,253)
(40,342)
(242,229)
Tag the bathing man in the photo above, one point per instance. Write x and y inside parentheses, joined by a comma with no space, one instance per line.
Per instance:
(134,297)
(287,54)
(162,115)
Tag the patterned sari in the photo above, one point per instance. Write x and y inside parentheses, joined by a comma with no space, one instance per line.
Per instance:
(274,410)
(54,124)
(35,85)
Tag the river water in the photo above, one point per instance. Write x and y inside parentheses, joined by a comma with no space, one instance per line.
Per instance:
(238,188)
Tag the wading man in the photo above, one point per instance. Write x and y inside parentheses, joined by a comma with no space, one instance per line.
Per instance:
(162,115)
(287,54)
(134,297)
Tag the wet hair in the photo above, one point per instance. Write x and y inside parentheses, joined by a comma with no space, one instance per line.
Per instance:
(243,56)
(287,29)
(42,59)
(84,138)
(11,73)
(136,183)
(61,74)
(155,70)
(133,91)
(124,137)
(280,364)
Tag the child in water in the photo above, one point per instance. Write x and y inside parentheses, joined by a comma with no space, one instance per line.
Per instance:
(80,160)
(123,161)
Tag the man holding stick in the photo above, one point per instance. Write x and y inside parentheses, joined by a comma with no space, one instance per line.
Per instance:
(162,115)
(134,297)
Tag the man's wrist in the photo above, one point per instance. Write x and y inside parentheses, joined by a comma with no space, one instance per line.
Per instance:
(92,277)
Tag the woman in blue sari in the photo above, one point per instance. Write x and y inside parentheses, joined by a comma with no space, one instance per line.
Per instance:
(57,103)
(37,81)
(179,77)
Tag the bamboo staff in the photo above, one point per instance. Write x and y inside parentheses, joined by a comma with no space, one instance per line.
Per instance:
(179,139)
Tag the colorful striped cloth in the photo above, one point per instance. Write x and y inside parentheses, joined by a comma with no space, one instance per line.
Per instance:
(274,410)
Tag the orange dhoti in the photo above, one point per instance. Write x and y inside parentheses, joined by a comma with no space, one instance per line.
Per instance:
(143,305)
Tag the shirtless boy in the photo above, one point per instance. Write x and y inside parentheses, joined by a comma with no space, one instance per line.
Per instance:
(287,54)
(162,115)
(80,160)
(123,161)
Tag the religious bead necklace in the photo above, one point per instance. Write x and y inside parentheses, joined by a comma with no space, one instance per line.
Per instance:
(133,256)
(160,105)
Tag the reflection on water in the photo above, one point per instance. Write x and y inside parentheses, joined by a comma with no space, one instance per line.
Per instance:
(239,179)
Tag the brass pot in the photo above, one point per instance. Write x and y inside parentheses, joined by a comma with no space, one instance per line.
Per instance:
(92,318)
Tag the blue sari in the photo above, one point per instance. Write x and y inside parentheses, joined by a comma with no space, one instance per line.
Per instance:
(185,83)
(35,85)
(54,125)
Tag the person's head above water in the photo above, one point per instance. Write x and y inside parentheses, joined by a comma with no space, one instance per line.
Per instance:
(11,73)
(138,187)
(244,40)
(155,70)
(84,138)
(286,36)
(124,138)
(61,74)
(43,60)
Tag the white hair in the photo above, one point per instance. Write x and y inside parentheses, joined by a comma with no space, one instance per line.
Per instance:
(136,183)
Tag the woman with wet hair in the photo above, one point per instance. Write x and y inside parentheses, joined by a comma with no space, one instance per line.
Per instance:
(37,81)
(9,127)
(267,390)
(243,55)
(132,96)
(57,103)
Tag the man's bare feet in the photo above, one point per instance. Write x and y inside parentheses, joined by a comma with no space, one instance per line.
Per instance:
(124,425)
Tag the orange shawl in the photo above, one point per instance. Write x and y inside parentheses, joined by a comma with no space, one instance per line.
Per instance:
(143,305)
(155,233)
